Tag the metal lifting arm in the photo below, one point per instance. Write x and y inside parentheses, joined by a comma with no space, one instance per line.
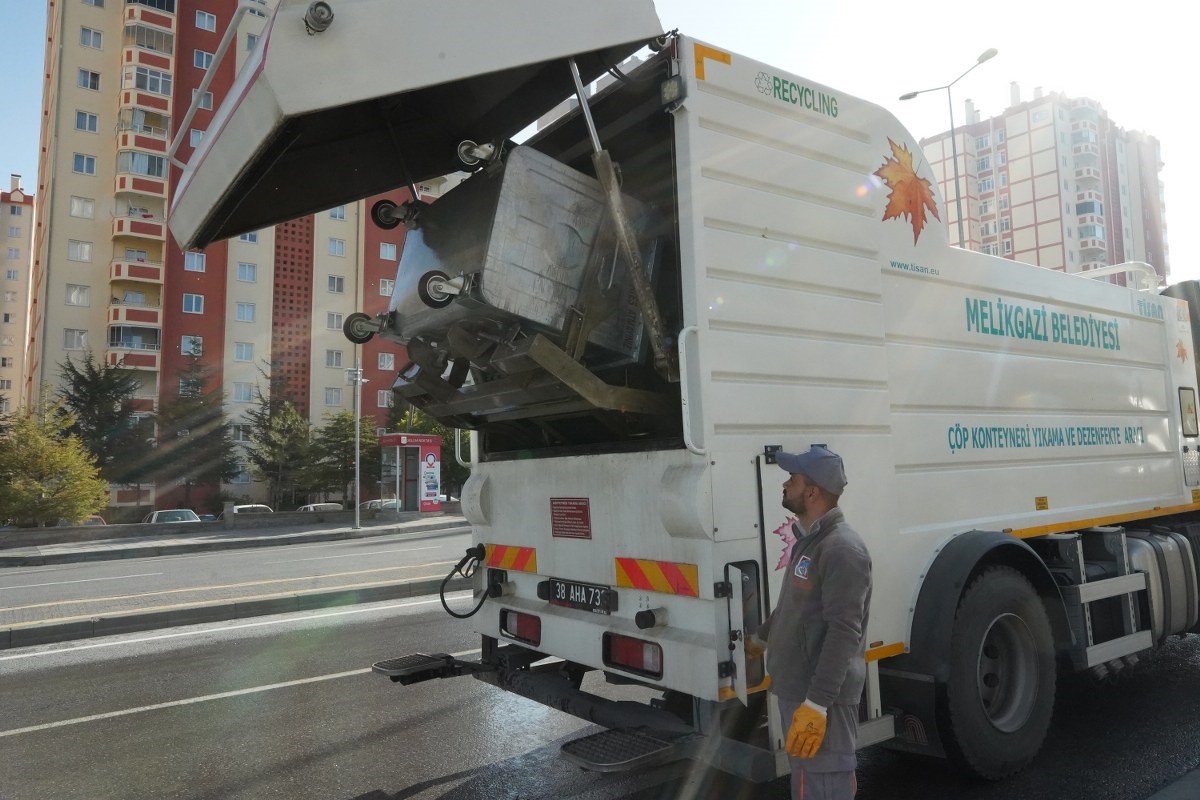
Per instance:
(664,360)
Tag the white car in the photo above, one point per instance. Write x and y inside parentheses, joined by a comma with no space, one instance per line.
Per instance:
(321,507)
(172,515)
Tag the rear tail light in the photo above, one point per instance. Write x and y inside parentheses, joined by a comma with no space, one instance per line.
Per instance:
(635,655)
(522,627)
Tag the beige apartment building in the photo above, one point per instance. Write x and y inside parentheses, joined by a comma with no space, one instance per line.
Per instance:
(1054,181)
(107,277)
(16,212)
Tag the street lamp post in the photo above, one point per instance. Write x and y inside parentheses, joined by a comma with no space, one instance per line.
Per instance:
(355,377)
(984,56)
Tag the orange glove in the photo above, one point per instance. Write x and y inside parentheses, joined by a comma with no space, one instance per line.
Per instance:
(754,646)
(807,732)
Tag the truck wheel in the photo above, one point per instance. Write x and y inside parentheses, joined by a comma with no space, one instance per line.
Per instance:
(358,328)
(429,293)
(1000,694)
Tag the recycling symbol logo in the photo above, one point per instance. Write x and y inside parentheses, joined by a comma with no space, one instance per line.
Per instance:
(762,82)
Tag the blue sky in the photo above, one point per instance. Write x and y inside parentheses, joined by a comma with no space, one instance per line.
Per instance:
(1135,59)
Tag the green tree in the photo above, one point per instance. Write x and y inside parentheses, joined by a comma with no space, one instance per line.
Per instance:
(99,400)
(334,442)
(195,438)
(279,448)
(46,474)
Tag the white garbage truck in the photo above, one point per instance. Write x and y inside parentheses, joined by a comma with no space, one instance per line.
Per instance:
(636,305)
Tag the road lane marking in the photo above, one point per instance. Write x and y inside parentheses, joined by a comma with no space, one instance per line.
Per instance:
(291,616)
(226,586)
(82,580)
(355,555)
(117,613)
(193,700)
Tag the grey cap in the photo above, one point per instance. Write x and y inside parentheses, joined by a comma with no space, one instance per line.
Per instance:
(819,465)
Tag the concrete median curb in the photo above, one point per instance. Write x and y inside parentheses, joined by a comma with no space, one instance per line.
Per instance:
(222,611)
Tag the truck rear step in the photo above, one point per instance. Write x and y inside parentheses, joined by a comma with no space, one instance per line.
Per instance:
(418,667)
(622,749)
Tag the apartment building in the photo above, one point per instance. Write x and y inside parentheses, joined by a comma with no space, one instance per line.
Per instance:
(1054,181)
(16,214)
(108,278)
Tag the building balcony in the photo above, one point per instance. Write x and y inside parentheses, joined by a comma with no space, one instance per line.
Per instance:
(145,57)
(140,184)
(133,355)
(1086,266)
(1086,150)
(151,12)
(1092,245)
(146,404)
(137,98)
(124,269)
(1088,176)
(153,140)
(141,314)
(140,227)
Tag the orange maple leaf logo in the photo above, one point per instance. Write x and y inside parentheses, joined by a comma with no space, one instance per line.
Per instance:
(1180,350)
(911,194)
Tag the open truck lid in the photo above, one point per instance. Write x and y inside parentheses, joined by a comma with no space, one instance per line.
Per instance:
(381,98)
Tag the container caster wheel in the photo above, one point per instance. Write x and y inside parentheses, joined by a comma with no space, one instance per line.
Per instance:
(358,328)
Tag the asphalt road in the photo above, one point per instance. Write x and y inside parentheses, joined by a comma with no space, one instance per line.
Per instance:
(70,592)
(285,707)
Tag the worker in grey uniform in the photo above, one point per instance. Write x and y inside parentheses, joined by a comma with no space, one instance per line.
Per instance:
(815,637)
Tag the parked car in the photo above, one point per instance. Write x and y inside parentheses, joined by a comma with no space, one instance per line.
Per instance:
(380,505)
(172,515)
(321,507)
(249,508)
(208,517)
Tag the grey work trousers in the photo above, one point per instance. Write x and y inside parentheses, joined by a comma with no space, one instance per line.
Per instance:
(828,775)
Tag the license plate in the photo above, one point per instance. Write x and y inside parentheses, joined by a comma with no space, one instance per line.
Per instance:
(585,596)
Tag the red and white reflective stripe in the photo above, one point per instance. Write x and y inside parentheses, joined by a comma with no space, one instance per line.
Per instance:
(667,577)
(520,559)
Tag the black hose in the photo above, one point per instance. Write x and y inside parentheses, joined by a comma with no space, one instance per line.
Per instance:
(471,562)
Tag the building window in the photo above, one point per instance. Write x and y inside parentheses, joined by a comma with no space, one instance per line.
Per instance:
(206,21)
(91,38)
(191,345)
(1008,247)
(245,312)
(14,253)
(336,284)
(86,121)
(1002,203)
(251,41)
(386,286)
(982,163)
(338,212)
(985,207)
(242,392)
(333,321)
(333,396)
(194,262)
(83,207)
(1002,157)
(78,295)
(989,249)
(11,275)
(387,251)
(206,102)
(201,59)
(74,339)
(153,81)
(188,387)
(986,184)
(241,475)
(195,137)
(7,361)
(89,80)
(243,351)
(83,164)
(251,237)
(193,304)
(94,3)
(387,360)
(982,142)
(1004,179)
(247,273)
(141,164)
(999,137)
(383,398)
(241,433)
(147,38)
(337,247)
(134,255)
(1040,116)
(79,251)
(333,358)
(10,297)
(14,211)
(5,384)
(1005,224)
(13,231)
(7,317)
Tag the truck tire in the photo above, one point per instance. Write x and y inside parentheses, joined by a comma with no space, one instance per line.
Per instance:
(999,696)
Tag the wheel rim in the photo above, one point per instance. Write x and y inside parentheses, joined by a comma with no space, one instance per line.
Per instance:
(1007,673)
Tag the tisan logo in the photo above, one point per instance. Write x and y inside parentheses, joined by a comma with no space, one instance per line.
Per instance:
(791,92)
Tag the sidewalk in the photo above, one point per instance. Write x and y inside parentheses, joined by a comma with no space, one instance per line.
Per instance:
(35,633)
